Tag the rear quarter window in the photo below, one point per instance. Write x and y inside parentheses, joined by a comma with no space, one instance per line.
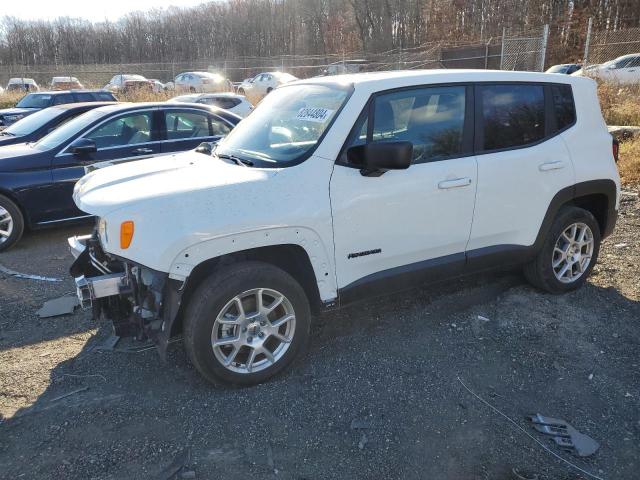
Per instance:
(563,106)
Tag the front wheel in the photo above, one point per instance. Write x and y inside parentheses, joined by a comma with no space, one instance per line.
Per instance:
(569,252)
(245,323)
(11,223)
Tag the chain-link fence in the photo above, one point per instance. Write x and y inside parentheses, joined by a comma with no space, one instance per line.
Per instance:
(605,45)
(525,51)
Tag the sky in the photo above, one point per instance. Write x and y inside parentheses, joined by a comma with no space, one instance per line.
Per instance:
(94,10)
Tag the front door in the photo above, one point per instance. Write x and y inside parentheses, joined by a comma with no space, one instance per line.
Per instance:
(128,137)
(393,228)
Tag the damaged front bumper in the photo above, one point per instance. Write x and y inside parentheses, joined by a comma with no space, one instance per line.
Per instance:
(139,301)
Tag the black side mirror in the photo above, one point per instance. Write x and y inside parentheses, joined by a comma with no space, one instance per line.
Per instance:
(83,146)
(376,158)
(206,147)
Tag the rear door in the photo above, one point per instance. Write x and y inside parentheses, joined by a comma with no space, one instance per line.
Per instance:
(125,137)
(522,163)
(185,128)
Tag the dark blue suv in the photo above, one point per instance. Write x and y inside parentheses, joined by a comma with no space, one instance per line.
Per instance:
(34,102)
(37,179)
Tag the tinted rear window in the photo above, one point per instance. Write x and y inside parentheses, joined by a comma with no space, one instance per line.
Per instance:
(512,115)
(563,106)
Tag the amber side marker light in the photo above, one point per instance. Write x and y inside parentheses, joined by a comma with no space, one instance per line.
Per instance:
(126,234)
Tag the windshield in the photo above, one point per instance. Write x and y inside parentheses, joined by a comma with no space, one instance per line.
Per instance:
(69,129)
(286,126)
(35,100)
(33,122)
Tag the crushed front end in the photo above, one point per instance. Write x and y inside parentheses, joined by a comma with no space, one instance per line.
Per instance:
(140,302)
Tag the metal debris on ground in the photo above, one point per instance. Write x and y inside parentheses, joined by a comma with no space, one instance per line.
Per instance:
(73,392)
(179,462)
(515,424)
(58,306)
(109,344)
(565,435)
(363,441)
(27,276)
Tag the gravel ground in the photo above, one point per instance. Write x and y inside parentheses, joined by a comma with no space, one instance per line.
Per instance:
(377,396)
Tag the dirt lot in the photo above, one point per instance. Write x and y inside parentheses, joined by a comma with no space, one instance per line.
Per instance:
(389,367)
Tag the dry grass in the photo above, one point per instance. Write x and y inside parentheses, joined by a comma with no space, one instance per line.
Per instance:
(629,165)
(144,96)
(620,104)
(9,100)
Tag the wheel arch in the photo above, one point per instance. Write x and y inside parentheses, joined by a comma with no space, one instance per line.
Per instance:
(596,196)
(291,258)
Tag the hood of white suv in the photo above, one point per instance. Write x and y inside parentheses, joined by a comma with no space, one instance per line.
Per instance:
(163,180)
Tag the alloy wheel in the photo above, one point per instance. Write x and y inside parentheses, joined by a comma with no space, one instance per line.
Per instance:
(572,252)
(6,225)
(253,330)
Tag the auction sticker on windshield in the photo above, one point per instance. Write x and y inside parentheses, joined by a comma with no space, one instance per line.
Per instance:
(319,115)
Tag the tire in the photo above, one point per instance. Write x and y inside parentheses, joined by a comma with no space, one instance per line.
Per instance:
(11,221)
(269,90)
(241,92)
(216,300)
(579,258)
(192,90)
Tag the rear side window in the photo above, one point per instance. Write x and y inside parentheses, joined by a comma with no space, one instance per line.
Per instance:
(85,97)
(104,96)
(563,106)
(181,125)
(511,115)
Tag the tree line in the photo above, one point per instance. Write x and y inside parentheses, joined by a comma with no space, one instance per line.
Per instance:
(234,28)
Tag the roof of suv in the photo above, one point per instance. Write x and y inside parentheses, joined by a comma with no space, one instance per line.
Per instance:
(386,80)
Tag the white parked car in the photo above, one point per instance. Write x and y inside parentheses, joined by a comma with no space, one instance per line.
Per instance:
(625,69)
(65,83)
(201,82)
(22,84)
(227,101)
(127,82)
(256,88)
(338,188)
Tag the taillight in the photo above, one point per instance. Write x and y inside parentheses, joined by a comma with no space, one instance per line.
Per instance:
(616,149)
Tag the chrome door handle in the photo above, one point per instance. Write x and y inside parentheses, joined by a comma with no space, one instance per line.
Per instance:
(545,167)
(454,183)
(141,151)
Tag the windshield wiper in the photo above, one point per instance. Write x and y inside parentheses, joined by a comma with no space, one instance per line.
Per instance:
(237,160)
(8,134)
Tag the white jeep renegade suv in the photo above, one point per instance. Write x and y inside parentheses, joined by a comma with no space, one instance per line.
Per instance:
(338,188)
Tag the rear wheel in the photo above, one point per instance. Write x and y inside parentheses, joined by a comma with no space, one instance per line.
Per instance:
(246,323)
(11,223)
(568,254)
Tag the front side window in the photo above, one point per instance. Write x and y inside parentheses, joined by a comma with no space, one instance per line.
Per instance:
(432,119)
(287,125)
(130,129)
(182,125)
(512,115)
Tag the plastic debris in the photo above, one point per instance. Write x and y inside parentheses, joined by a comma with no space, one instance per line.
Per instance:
(565,435)
(73,392)
(58,306)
